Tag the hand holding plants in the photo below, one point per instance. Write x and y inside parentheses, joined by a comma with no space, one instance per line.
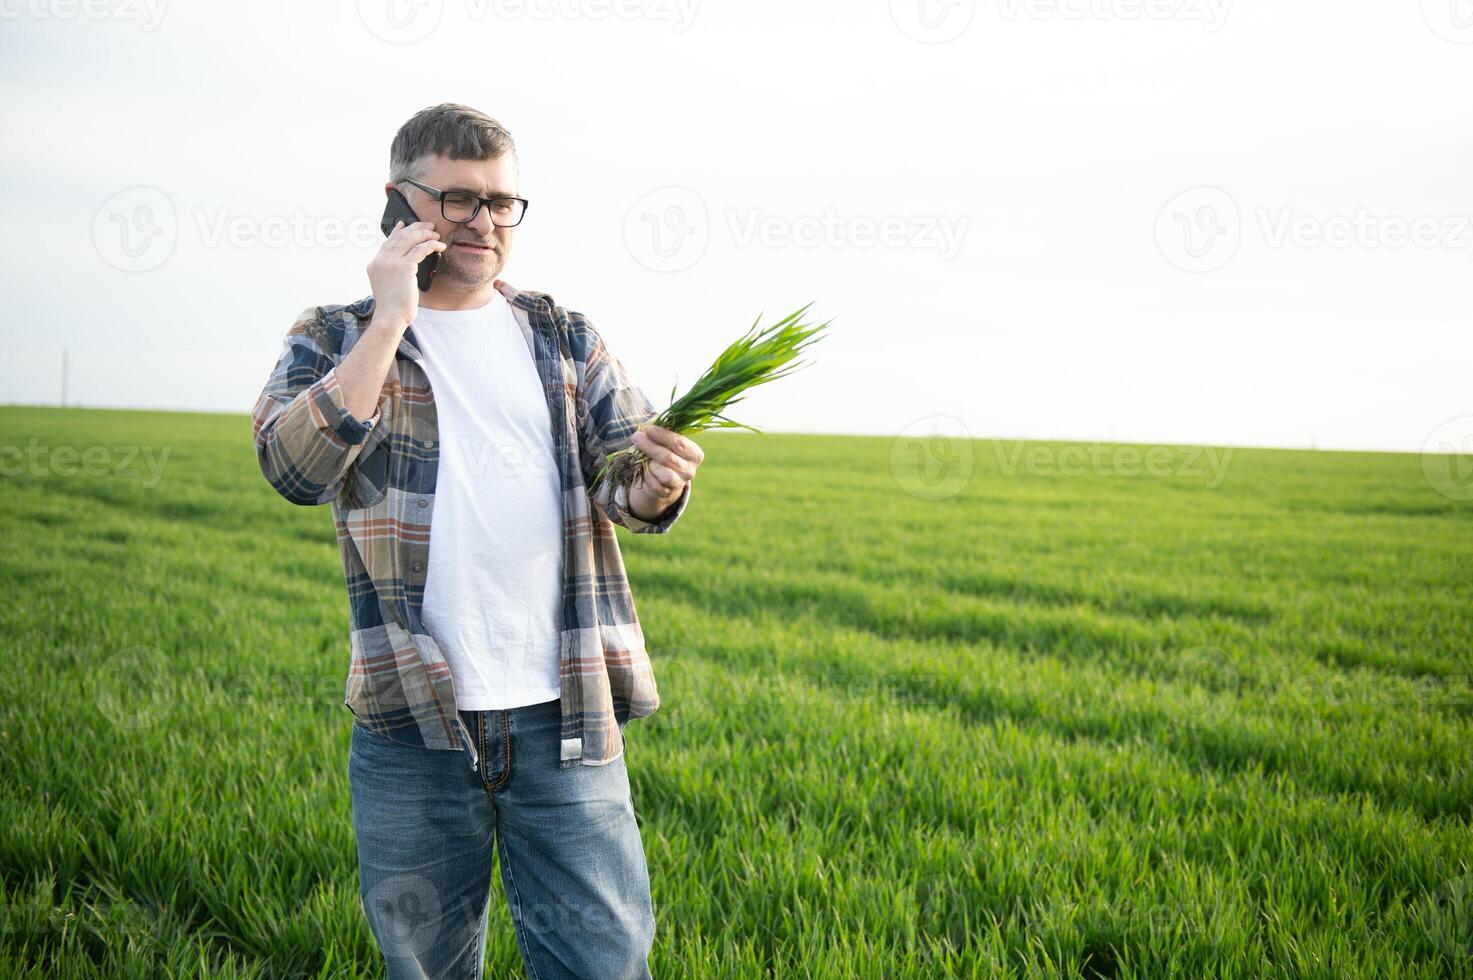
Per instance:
(672,459)
(662,457)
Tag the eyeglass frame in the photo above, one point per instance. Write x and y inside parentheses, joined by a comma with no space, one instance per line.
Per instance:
(481,202)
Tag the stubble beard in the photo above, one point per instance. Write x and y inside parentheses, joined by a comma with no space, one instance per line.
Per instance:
(466,276)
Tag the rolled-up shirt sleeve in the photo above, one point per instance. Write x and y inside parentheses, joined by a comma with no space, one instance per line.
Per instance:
(305,436)
(611,408)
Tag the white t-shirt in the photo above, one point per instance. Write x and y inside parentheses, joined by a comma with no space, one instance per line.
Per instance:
(494,589)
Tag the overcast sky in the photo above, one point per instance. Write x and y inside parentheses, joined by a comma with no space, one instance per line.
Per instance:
(1178,221)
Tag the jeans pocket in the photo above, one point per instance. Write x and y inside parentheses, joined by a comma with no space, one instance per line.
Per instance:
(362,731)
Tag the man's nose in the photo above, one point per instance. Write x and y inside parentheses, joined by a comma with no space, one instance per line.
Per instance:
(481,223)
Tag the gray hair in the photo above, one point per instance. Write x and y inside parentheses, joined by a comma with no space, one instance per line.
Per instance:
(449,130)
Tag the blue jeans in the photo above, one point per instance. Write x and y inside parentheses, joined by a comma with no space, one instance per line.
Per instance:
(572,863)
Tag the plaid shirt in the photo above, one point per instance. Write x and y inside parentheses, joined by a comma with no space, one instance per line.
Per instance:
(379,476)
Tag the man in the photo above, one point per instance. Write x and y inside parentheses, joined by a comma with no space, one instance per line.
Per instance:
(496,654)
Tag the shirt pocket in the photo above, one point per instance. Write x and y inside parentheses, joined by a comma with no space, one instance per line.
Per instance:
(366,481)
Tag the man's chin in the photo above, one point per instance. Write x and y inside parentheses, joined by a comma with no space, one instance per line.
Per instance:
(483,274)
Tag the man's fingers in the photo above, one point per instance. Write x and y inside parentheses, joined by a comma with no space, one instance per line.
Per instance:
(414,235)
(665,479)
(403,233)
(675,442)
(663,454)
(425,248)
(674,463)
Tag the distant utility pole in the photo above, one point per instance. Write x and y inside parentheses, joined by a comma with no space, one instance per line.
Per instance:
(63,377)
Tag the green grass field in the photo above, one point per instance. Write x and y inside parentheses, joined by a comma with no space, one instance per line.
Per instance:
(1073,719)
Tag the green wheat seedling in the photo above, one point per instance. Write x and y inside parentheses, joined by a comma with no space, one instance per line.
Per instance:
(755,359)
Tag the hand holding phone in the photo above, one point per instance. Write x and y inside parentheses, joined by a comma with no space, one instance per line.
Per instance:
(397,209)
(404,265)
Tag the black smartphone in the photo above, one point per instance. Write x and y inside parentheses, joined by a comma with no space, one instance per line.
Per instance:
(396,210)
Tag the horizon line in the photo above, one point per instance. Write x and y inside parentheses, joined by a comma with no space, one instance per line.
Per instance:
(831,435)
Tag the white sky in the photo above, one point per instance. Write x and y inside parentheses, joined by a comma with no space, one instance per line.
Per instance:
(1061,144)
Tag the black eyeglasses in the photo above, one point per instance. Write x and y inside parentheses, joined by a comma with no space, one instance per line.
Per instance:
(463,206)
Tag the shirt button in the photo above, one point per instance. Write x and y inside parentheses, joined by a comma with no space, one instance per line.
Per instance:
(423,503)
(419,566)
(428,443)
